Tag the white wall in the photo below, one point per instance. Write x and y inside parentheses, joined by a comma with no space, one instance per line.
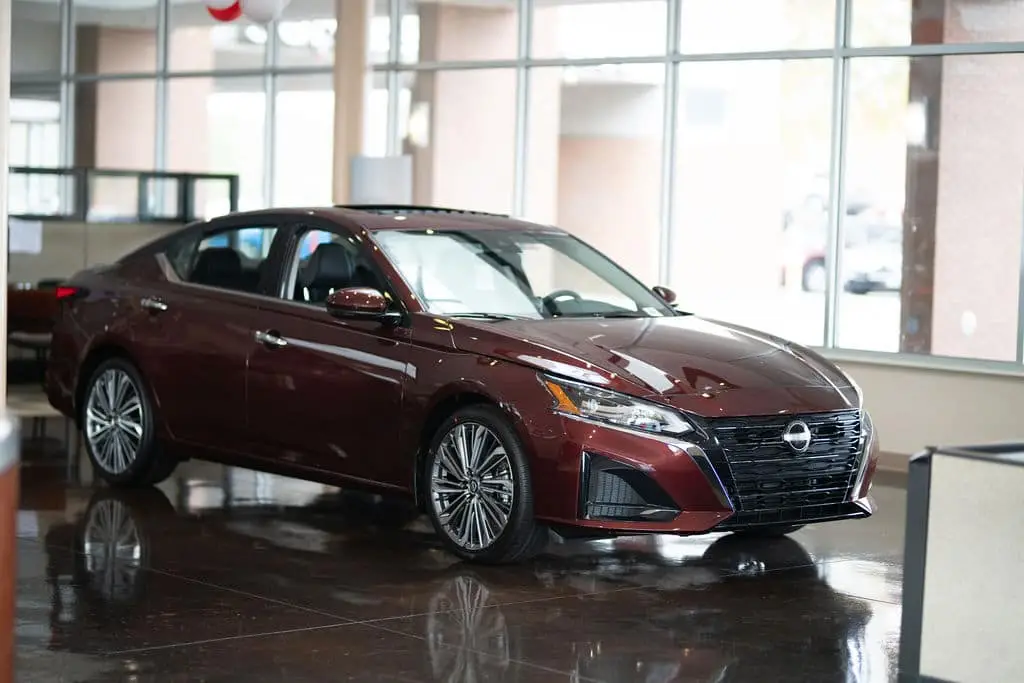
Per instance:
(916,407)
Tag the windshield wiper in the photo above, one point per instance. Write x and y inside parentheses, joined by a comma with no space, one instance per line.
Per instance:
(617,314)
(605,314)
(485,316)
(622,314)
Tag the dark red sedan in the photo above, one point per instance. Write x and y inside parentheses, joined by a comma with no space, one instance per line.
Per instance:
(505,374)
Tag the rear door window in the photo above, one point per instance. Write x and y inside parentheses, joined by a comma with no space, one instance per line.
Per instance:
(233,259)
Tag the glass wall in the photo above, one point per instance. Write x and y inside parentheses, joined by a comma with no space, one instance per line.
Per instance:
(842,173)
(160,85)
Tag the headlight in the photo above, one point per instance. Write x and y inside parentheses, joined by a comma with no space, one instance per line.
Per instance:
(866,425)
(601,405)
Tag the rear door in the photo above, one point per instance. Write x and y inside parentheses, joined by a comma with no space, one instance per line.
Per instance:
(196,328)
(328,393)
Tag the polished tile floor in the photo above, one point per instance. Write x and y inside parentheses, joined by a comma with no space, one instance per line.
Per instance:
(230,575)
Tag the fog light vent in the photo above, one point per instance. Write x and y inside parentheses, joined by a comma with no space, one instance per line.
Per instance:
(615,491)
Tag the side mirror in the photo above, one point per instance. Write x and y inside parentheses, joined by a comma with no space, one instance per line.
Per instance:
(359,303)
(666,294)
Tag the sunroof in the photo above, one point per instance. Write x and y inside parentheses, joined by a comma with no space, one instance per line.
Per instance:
(386,209)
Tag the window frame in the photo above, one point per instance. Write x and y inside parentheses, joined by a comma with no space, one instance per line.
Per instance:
(287,271)
(191,239)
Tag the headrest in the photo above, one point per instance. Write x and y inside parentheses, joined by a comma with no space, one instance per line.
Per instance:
(217,264)
(330,265)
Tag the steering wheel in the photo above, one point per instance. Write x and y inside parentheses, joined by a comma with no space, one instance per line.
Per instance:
(549,301)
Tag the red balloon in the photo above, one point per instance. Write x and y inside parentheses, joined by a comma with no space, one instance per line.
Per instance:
(227,14)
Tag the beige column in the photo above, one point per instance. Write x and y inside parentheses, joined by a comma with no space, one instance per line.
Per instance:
(463,135)
(115,121)
(351,87)
(964,218)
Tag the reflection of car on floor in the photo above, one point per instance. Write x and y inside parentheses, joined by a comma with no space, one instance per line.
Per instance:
(698,616)
(505,375)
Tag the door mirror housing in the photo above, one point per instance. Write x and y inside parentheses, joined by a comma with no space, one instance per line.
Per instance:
(360,303)
(666,294)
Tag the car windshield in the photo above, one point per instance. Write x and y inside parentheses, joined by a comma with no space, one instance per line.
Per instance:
(498,273)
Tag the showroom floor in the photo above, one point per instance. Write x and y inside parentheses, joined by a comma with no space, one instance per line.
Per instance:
(230,575)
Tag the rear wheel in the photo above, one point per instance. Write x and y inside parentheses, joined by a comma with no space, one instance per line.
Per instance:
(117,420)
(773,531)
(479,494)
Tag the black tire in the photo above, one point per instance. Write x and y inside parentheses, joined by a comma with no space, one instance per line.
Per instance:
(148,463)
(522,536)
(807,276)
(772,531)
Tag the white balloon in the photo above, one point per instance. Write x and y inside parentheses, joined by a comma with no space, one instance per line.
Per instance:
(219,4)
(263,11)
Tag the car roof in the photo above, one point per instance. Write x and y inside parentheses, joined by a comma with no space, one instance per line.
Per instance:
(377,217)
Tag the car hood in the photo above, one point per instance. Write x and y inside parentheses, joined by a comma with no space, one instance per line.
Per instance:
(706,367)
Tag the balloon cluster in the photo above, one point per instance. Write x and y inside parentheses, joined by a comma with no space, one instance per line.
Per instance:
(258,11)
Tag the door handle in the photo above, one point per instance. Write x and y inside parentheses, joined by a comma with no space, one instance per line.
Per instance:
(270,339)
(153,304)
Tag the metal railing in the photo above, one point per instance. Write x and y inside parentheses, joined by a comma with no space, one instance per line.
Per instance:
(118,195)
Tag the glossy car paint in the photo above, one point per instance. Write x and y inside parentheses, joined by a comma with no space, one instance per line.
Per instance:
(328,400)
(352,401)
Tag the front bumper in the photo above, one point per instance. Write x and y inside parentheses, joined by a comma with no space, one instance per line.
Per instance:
(627,482)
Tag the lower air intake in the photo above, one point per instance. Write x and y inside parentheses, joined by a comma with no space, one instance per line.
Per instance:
(613,491)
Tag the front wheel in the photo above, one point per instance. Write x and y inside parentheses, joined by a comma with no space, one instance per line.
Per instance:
(118,424)
(480,497)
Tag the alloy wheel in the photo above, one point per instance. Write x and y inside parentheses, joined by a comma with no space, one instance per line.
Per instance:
(471,486)
(114,420)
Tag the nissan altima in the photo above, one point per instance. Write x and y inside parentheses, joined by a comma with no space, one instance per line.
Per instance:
(507,376)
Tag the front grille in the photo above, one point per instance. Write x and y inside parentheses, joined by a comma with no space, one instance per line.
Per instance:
(762,473)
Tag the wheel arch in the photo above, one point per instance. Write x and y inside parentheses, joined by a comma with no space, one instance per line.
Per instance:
(444,403)
(96,356)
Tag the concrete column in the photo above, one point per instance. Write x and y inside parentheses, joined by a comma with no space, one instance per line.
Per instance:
(462,132)
(919,214)
(964,216)
(351,87)
(462,137)
(115,121)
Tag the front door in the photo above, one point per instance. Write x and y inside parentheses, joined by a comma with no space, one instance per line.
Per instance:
(195,331)
(327,394)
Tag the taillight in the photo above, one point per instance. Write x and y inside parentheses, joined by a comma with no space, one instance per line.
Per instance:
(67,292)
